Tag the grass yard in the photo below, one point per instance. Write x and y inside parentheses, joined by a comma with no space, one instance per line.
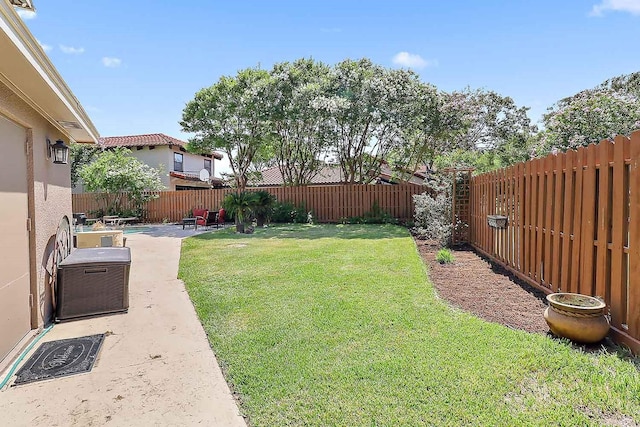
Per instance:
(339,325)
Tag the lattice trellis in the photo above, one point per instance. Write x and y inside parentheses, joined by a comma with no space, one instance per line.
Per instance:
(460,204)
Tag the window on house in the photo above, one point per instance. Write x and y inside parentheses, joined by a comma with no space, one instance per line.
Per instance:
(177,162)
(207,165)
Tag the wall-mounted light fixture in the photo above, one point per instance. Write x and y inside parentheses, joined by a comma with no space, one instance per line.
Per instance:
(58,152)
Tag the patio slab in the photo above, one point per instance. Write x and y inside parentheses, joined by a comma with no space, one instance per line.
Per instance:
(155,366)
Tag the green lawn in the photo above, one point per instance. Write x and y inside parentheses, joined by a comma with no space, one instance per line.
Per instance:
(339,325)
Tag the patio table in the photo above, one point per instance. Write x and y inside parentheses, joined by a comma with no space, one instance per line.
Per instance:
(110,219)
(190,221)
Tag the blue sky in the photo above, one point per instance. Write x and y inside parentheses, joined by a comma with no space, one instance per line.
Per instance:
(134,65)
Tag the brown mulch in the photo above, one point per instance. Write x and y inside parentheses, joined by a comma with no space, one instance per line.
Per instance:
(488,291)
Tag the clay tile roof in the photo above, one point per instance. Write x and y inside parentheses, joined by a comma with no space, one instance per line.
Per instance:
(272,176)
(145,140)
(387,175)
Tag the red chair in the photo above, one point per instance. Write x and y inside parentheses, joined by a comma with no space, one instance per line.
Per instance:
(201,216)
(221,213)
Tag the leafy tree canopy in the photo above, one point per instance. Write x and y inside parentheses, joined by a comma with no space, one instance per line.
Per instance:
(356,112)
(232,116)
(592,115)
(299,138)
(490,119)
(114,172)
(81,155)
(367,106)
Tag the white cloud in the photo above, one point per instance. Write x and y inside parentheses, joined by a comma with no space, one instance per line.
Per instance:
(111,62)
(45,47)
(631,6)
(412,60)
(26,14)
(71,50)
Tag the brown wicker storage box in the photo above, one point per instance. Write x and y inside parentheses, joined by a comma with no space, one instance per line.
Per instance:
(93,281)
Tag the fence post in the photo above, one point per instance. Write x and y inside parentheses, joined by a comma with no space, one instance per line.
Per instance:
(633,321)
(618,283)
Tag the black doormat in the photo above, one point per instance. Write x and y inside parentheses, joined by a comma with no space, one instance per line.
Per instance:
(60,358)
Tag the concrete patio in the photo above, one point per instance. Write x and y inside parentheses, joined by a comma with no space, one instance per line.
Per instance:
(155,366)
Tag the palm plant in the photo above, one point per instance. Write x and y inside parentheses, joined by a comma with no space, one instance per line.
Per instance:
(240,206)
(263,206)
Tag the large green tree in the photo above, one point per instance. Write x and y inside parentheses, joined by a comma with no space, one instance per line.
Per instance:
(628,84)
(232,116)
(433,124)
(81,155)
(366,106)
(486,160)
(299,140)
(589,117)
(116,175)
(355,112)
(491,120)
(609,109)
(474,128)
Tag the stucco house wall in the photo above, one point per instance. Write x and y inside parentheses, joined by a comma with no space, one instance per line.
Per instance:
(194,162)
(51,190)
(163,156)
(35,105)
(158,156)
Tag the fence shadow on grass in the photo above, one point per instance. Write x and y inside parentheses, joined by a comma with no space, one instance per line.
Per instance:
(306,231)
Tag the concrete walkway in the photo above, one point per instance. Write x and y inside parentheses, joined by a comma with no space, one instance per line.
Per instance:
(155,367)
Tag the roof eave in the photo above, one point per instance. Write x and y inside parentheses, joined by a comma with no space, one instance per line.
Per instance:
(23,4)
(32,76)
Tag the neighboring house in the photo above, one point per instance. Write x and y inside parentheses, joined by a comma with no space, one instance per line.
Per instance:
(332,175)
(180,169)
(272,177)
(389,176)
(36,107)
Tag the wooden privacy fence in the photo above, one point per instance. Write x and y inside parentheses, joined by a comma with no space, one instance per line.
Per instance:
(573,225)
(330,203)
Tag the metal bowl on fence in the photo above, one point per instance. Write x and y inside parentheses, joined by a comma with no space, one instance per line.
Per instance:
(497,221)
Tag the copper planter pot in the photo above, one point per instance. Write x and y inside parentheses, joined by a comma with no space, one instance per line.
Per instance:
(580,318)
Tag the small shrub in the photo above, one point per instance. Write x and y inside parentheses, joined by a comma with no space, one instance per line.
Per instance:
(287,212)
(444,256)
(433,213)
(375,216)
(98,213)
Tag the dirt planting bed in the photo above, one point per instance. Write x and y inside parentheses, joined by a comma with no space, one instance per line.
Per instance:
(490,292)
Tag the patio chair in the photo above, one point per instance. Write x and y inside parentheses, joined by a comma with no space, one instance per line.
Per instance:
(79,218)
(212,219)
(220,218)
(201,216)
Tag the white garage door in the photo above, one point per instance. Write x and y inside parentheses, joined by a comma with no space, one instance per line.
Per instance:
(14,238)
